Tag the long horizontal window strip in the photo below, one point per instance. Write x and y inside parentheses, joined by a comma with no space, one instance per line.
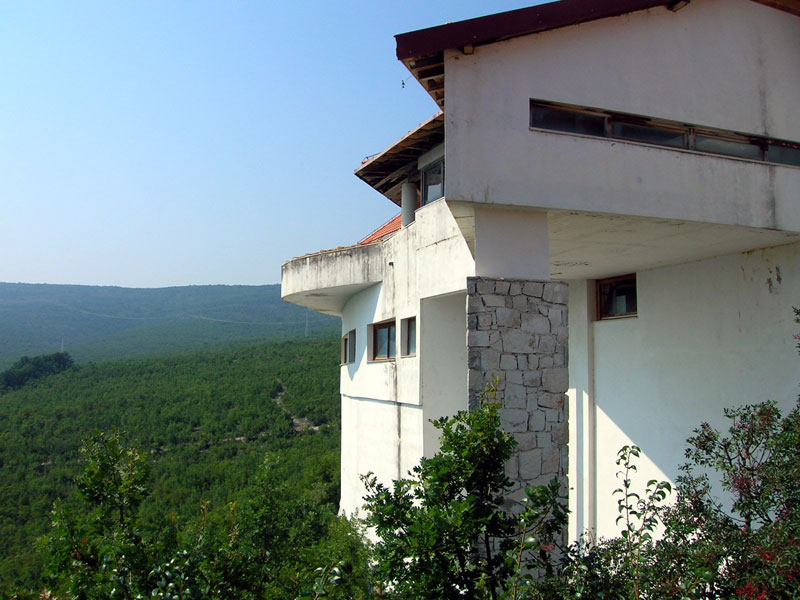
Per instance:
(658,132)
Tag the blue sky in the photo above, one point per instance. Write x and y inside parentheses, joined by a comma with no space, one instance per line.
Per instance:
(148,144)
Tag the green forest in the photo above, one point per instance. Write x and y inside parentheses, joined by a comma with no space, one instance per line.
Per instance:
(215,476)
(213,427)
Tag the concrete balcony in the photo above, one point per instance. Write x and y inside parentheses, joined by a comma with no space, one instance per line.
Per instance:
(325,281)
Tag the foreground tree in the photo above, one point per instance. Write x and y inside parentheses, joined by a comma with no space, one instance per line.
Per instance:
(97,551)
(743,546)
(443,531)
(275,542)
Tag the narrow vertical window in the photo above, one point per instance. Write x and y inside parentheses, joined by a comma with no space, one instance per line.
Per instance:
(349,347)
(433,182)
(409,336)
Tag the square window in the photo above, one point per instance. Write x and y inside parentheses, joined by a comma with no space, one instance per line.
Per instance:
(383,341)
(616,297)
(409,336)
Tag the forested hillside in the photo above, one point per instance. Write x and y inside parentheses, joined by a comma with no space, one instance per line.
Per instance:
(100,323)
(207,421)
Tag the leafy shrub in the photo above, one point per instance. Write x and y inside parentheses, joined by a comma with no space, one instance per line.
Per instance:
(744,548)
(441,529)
(267,547)
(438,529)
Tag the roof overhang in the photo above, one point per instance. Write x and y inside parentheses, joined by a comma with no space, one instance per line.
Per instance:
(422,51)
(387,171)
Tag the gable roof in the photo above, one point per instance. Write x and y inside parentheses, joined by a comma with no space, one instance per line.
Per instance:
(422,51)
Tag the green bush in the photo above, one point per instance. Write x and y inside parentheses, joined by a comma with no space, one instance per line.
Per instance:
(440,531)
(270,545)
(444,533)
(745,547)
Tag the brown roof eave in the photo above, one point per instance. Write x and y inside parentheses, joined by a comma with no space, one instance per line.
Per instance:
(790,6)
(387,170)
(514,23)
(534,19)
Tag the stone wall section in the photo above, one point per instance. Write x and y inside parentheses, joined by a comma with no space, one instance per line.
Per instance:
(517,340)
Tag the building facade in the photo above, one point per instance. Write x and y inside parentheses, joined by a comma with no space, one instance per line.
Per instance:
(603,222)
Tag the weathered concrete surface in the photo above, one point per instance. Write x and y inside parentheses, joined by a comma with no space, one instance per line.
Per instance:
(326,280)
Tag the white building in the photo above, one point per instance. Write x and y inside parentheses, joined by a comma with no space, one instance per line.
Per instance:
(643,155)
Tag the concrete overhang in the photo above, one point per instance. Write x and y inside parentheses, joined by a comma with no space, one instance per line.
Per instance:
(325,281)
(594,246)
(585,245)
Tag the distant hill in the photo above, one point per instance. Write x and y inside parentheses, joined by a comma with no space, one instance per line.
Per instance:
(100,323)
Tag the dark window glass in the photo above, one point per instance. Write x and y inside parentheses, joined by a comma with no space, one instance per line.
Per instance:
(351,346)
(616,297)
(557,119)
(670,134)
(784,155)
(433,182)
(727,147)
(383,341)
(648,134)
(410,336)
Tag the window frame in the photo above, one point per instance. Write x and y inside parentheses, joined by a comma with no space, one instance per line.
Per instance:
(348,353)
(391,342)
(405,329)
(600,316)
(424,174)
(785,152)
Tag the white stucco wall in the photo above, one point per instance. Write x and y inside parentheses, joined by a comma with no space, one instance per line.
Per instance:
(443,362)
(510,243)
(729,64)
(581,412)
(709,334)
(386,405)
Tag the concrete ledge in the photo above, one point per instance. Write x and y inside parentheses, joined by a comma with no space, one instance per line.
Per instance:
(326,280)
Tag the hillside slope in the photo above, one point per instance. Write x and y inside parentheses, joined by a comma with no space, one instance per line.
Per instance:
(206,419)
(101,323)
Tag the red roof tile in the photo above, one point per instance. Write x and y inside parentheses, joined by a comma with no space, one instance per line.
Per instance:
(390,226)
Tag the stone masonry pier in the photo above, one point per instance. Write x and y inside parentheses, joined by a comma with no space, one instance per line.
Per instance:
(517,337)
